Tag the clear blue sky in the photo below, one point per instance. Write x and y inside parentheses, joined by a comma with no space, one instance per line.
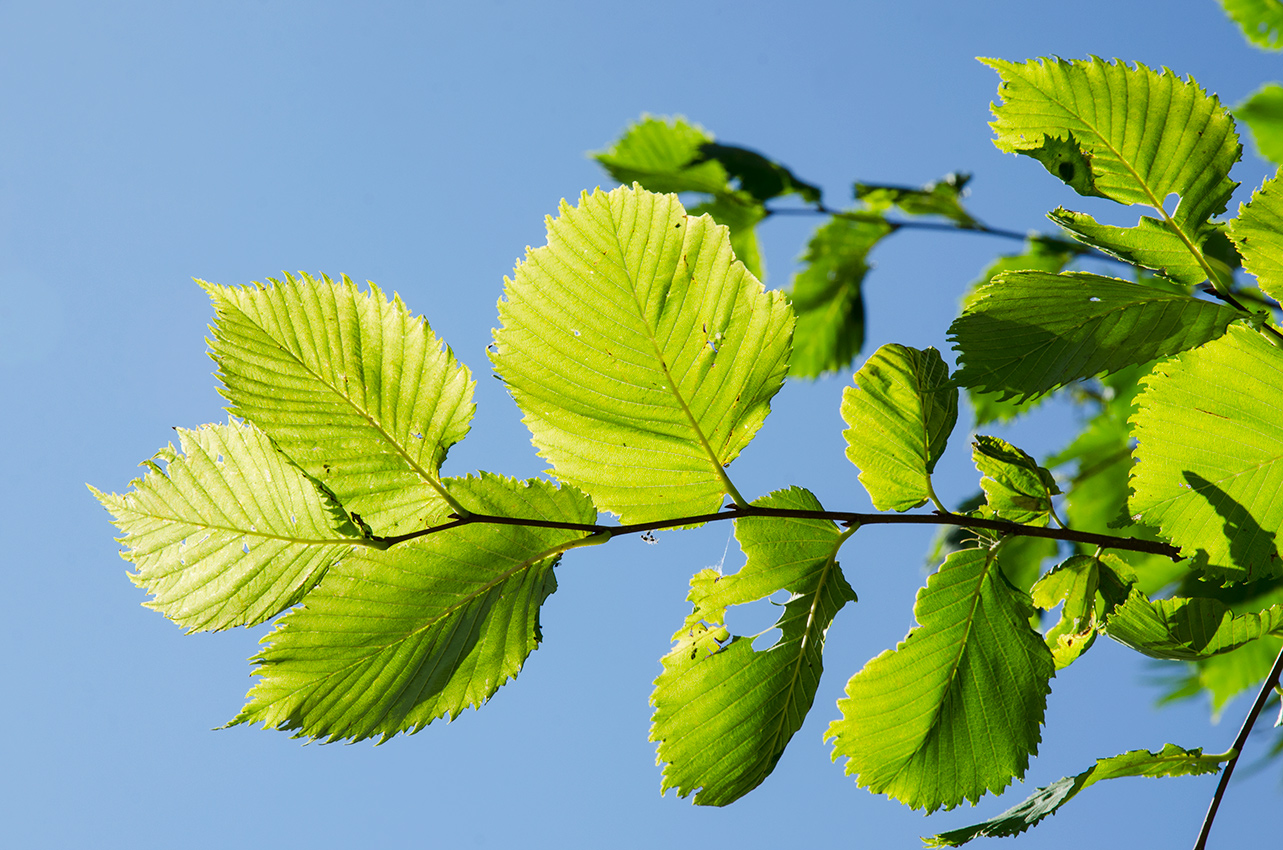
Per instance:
(420,146)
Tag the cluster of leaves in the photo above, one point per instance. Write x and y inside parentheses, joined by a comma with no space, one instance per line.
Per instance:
(644,353)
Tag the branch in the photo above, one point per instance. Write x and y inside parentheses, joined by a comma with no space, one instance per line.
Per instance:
(846,518)
(1271,681)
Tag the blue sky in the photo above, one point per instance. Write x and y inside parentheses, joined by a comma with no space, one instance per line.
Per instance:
(420,146)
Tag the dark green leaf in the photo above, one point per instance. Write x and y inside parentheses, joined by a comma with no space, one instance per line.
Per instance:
(760,177)
(942,197)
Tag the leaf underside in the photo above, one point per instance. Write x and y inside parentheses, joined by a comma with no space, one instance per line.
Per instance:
(1187,628)
(955,709)
(901,411)
(228,532)
(353,388)
(723,710)
(391,640)
(643,355)
(1029,332)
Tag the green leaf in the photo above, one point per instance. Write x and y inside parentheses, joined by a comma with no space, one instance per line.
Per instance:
(642,354)
(1260,20)
(741,217)
(1171,760)
(1151,244)
(955,709)
(229,532)
(1129,134)
(760,177)
(1187,628)
(828,298)
(723,710)
(900,412)
(1029,332)
(1016,487)
(1074,583)
(663,154)
(391,640)
(1263,114)
(1258,235)
(942,197)
(1144,135)
(1208,460)
(354,389)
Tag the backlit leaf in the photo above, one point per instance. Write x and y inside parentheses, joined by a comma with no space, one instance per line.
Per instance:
(1258,235)
(900,412)
(643,355)
(1210,450)
(663,155)
(1151,244)
(828,298)
(724,711)
(1074,584)
(942,197)
(954,710)
(353,388)
(1171,760)
(1029,332)
(741,217)
(1260,20)
(1262,112)
(1016,487)
(1185,627)
(391,640)
(228,532)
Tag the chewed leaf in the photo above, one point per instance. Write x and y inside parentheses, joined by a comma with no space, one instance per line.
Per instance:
(724,711)
(967,687)
(643,355)
(228,532)
(1210,454)
(1171,760)
(1016,487)
(392,640)
(354,388)
(1187,628)
(1150,244)
(901,411)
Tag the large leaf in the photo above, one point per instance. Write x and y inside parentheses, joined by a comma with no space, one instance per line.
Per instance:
(391,640)
(1016,488)
(1029,332)
(1210,454)
(1258,235)
(228,532)
(1171,760)
(955,709)
(663,155)
(1143,134)
(1263,114)
(724,711)
(1260,20)
(643,355)
(828,298)
(1133,135)
(901,411)
(1187,627)
(354,388)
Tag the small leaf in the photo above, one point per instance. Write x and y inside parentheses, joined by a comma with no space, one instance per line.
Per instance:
(760,177)
(642,354)
(1209,455)
(901,411)
(1016,488)
(1074,583)
(967,688)
(827,296)
(353,388)
(1187,628)
(1263,114)
(663,155)
(1029,332)
(723,710)
(942,197)
(391,640)
(1260,20)
(229,532)
(1258,235)
(1171,760)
